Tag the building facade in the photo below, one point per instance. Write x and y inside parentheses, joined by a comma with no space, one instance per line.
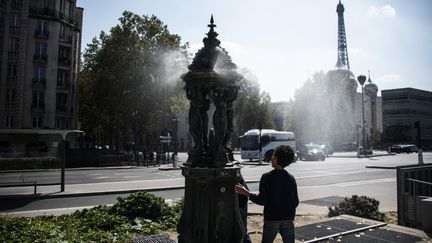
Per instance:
(401,109)
(40,43)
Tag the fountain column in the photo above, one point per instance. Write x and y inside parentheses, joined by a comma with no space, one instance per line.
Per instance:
(210,212)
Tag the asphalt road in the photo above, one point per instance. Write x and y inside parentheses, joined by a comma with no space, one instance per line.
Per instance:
(320,182)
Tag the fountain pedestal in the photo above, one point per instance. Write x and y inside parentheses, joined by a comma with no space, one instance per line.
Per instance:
(210,212)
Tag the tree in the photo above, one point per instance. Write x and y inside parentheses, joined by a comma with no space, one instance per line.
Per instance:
(127,79)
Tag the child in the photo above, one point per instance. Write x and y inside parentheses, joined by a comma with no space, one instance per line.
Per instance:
(278,195)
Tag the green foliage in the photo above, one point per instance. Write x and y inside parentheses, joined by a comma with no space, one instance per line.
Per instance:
(142,205)
(362,206)
(128,77)
(29,163)
(99,224)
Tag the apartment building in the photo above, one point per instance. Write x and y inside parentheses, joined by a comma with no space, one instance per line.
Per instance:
(40,43)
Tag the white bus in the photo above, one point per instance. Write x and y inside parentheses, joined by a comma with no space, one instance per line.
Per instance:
(270,139)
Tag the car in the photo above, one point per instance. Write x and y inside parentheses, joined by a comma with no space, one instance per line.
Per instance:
(403,148)
(365,151)
(328,149)
(311,152)
(396,148)
(409,148)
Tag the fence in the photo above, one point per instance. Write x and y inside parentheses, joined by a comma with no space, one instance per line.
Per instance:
(414,183)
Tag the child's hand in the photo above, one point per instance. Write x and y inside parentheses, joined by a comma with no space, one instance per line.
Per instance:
(240,189)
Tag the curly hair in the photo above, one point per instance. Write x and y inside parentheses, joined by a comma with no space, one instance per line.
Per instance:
(284,155)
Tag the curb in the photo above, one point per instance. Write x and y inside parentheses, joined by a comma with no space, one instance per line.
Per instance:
(85,194)
(380,167)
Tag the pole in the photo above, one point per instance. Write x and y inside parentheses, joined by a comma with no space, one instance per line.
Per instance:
(363,123)
(260,148)
(419,143)
(62,154)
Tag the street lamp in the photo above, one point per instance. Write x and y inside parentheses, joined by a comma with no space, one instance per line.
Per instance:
(362,79)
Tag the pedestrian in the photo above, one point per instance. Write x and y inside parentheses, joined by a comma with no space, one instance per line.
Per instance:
(278,194)
(243,206)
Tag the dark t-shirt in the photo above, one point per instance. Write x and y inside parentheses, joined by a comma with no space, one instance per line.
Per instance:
(278,195)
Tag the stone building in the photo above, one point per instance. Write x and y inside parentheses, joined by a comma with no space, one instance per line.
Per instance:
(40,43)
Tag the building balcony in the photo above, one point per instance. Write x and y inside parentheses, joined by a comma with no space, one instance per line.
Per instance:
(16,5)
(64,61)
(38,107)
(10,106)
(61,109)
(11,81)
(14,30)
(40,58)
(66,39)
(38,83)
(63,88)
(13,54)
(44,35)
(51,13)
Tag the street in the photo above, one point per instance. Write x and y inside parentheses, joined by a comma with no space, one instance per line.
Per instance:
(321,183)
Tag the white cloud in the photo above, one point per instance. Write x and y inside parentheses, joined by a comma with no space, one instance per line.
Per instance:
(393,77)
(386,10)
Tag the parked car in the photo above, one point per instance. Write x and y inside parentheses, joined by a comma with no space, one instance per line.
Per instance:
(328,149)
(403,148)
(409,148)
(365,151)
(311,152)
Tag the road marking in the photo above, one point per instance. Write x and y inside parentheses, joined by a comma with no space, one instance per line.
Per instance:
(334,173)
(354,183)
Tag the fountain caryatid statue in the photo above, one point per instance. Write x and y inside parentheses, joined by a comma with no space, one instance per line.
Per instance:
(210,212)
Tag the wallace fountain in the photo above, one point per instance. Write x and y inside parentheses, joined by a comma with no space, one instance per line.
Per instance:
(210,212)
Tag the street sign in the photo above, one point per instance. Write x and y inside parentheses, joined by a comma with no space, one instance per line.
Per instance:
(165,139)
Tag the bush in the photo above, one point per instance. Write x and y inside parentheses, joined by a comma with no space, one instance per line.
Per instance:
(141,205)
(140,213)
(362,206)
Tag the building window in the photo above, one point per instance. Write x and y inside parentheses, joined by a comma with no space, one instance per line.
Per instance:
(14,25)
(39,75)
(46,4)
(12,72)
(16,4)
(64,56)
(10,96)
(37,122)
(38,100)
(40,51)
(62,77)
(61,102)
(13,46)
(65,34)
(9,121)
(42,29)
(1,18)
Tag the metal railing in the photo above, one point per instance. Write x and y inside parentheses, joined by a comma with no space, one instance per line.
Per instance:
(414,183)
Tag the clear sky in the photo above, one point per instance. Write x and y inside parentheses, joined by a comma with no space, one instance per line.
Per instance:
(283,42)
